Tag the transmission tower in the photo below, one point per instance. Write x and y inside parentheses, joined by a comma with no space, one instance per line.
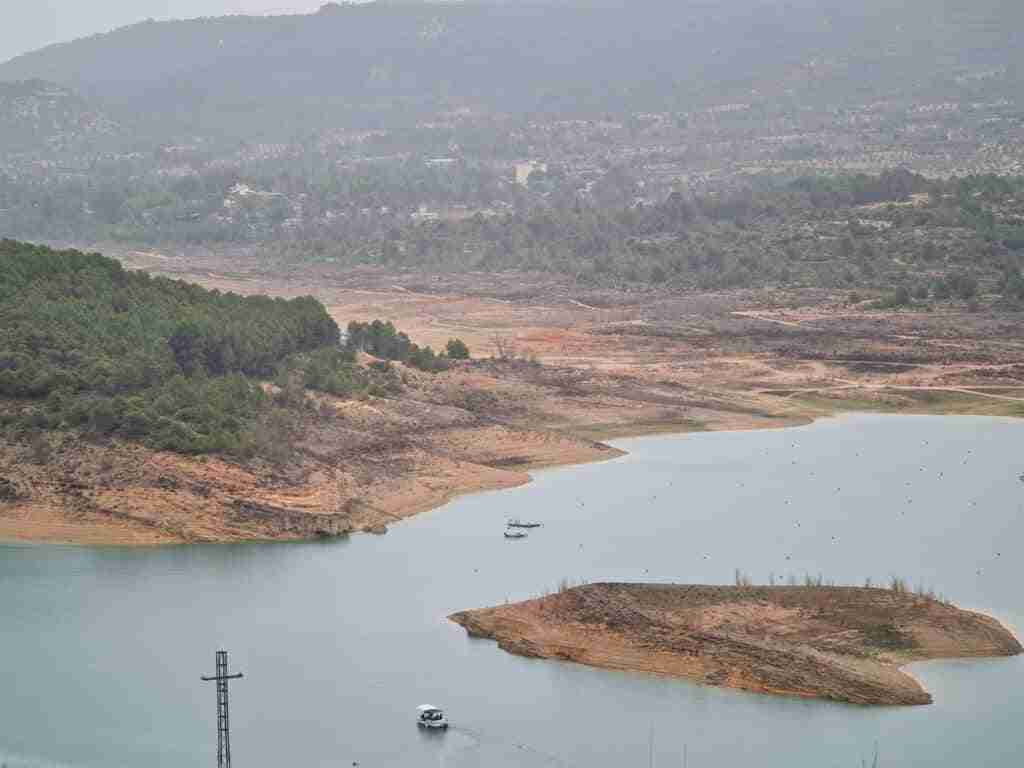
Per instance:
(223,728)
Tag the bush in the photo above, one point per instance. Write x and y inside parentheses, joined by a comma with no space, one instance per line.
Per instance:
(898,298)
(383,340)
(457,349)
(963,286)
(1013,286)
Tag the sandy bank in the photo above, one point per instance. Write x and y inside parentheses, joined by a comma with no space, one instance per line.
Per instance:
(840,643)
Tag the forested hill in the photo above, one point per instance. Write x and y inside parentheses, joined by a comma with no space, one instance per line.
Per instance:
(87,345)
(387,62)
(39,115)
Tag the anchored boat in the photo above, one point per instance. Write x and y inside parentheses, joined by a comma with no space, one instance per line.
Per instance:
(520,524)
(431,717)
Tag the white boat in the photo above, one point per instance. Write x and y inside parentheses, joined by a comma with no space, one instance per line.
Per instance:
(515,535)
(431,717)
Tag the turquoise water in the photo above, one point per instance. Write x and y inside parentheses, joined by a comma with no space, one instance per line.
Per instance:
(102,648)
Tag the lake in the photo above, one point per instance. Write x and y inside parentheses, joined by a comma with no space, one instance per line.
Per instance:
(339,641)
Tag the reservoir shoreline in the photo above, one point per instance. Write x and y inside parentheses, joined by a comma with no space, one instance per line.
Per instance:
(298,518)
(686,510)
(847,644)
(285,518)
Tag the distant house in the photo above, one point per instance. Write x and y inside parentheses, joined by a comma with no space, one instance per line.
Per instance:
(523,171)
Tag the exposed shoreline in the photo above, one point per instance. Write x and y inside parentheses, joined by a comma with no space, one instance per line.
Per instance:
(617,366)
(45,524)
(845,644)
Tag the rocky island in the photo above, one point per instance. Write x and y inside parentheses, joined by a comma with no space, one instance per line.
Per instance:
(839,643)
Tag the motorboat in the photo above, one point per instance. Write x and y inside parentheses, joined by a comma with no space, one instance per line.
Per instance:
(520,524)
(432,717)
(515,535)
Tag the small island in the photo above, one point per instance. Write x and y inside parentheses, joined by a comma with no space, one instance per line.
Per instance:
(839,643)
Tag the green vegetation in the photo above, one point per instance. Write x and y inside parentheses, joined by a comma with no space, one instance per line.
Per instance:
(381,339)
(443,56)
(457,349)
(89,346)
(409,162)
(911,237)
(911,240)
(896,584)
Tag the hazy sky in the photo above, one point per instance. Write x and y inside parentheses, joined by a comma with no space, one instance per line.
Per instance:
(30,24)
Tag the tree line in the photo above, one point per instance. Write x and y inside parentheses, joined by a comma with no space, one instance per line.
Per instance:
(87,345)
(381,339)
(894,230)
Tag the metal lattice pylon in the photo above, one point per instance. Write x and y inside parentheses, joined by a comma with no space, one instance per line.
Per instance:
(223,724)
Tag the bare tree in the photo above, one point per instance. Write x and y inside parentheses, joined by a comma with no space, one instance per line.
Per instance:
(504,349)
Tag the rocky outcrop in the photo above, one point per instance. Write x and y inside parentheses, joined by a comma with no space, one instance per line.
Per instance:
(839,643)
(287,522)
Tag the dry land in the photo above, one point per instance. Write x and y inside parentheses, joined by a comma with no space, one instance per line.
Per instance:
(557,369)
(840,643)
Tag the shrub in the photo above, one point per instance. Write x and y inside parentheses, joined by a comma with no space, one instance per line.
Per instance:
(383,340)
(898,298)
(457,349)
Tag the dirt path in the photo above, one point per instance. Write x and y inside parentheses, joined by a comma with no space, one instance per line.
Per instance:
(788,393)
(761,316)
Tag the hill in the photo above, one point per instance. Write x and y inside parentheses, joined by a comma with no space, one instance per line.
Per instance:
(143,410)
(566,136)
(41,115)
(896,232)
(90,347)
(273,78)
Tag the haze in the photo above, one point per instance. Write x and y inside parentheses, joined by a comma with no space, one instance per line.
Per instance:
(33,25)
(298,270)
